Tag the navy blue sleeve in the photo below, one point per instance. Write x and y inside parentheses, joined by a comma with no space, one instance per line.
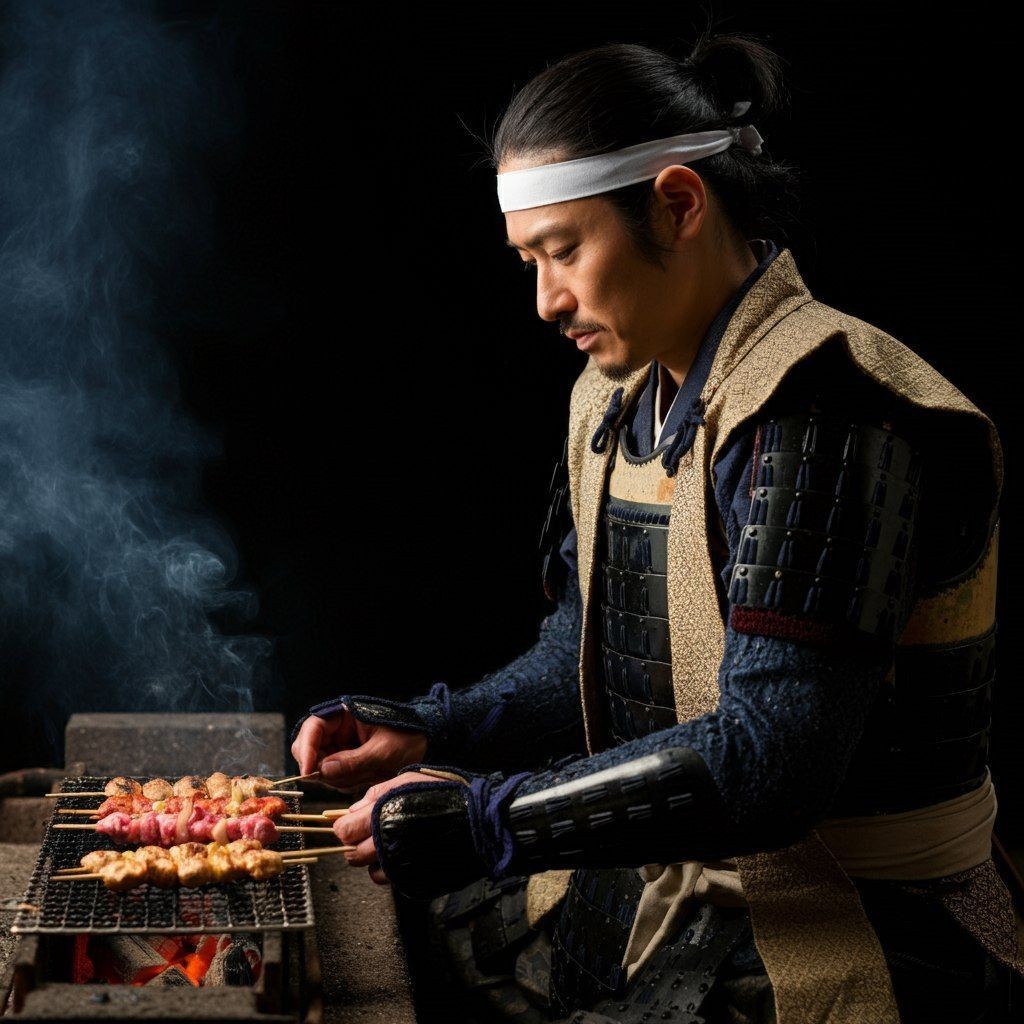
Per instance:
(789,716)
(524,715)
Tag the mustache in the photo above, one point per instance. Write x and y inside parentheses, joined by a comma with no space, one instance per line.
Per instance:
(565,328)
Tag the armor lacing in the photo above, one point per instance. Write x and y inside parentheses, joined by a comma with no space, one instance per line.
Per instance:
(599,442)
(685,436)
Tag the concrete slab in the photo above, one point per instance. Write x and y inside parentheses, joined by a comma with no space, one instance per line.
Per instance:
(176,744)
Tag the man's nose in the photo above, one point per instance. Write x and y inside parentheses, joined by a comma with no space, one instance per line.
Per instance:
(554,300)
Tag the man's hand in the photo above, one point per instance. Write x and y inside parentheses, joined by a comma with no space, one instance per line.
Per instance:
(432,831)
(355,829)
(350,753)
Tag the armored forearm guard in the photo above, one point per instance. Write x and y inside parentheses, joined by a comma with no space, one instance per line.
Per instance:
(660,808)
(424,840)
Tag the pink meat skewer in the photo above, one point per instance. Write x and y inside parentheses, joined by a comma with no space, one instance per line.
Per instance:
(152,829)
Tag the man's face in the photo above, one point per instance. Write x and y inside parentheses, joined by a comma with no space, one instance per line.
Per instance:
(591,278)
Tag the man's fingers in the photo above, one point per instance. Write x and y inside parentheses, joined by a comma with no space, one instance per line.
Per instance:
(363,855)
(353,828)
(307,743)
(377,874)
(348,769)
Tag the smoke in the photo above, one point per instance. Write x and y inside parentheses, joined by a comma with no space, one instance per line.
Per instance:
(115,593)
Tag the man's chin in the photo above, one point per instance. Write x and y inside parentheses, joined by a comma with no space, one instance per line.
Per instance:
(617,371)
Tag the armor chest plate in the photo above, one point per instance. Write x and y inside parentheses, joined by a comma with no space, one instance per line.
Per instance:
(636,656)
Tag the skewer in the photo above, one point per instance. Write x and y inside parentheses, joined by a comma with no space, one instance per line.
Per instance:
(71,874)
(270,792)
(289,856)
(284,817)
(319,851)
(93,875)
(335,813)
(281,828)
(297,778)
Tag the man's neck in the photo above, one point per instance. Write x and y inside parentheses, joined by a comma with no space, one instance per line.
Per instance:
(678,359)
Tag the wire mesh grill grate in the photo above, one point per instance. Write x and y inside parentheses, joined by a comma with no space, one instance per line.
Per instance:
(275,904)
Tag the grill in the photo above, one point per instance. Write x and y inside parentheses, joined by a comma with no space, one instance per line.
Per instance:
(279,903)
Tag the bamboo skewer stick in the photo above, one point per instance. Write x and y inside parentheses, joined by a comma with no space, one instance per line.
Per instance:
(298,778)
(59,796)
(335,813)
(319,851)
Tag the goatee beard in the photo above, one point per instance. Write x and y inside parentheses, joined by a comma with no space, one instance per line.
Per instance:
(617,371)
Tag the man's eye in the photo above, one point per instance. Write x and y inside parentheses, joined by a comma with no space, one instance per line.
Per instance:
(560,256)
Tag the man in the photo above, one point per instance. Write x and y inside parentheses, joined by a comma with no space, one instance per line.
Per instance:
(775,628)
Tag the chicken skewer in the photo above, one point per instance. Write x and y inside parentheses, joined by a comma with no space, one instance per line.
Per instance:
(92,862)
(190,824)
(268,806)
(95,815)
(189,864)
(238,787)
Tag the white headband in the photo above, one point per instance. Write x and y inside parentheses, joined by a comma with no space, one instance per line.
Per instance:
(589,175)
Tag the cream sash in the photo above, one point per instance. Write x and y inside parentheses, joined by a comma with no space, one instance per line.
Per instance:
(927,842)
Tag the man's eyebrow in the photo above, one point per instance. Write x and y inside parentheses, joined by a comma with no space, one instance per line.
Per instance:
(538,239)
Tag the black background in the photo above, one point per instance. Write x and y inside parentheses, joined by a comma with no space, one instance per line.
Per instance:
(388,400)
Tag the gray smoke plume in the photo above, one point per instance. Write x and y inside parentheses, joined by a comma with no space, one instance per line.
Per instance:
(115,594)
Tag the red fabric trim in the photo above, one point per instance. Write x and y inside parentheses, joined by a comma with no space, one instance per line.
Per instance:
(765,622)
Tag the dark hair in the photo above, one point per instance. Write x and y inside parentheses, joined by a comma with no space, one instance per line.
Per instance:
(622,94)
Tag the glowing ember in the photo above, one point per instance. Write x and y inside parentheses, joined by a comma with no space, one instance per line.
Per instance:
(166,960)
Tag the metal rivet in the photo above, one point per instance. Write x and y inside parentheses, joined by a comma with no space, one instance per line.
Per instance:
(743,570)
(764,493)
(753,533)
(778,574)
(767,459)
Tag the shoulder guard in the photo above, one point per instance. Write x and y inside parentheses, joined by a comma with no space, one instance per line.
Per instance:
(824,552)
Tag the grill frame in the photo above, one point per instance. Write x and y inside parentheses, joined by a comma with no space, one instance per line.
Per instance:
(282,903)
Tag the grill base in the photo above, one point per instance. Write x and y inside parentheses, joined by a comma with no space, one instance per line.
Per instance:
(39,990)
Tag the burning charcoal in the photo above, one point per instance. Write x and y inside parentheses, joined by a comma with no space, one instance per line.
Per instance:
(173,977)
(121,959)
(238,962)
